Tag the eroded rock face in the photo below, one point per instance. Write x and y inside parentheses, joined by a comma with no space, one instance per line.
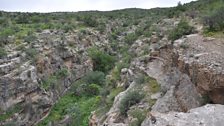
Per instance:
(21,81)
(178,92)
(202,60)
(208,115)
(200,66)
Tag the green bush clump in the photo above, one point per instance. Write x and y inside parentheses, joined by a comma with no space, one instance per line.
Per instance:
(88,20)
(95,77)
(62,73)
(31,53)
(140,79)
(68,27)
(75,112)
(48,82)
(93,89)
(140,115)
(215,21)
(3,40)
(22,19)
(130,38)
(132,98)
(30,38)
(87,90)
(101,60)
(154,86)
(3,52)
(101,27)
(183,28)
(90,84)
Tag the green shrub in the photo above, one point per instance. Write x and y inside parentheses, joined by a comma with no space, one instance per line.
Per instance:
(180,7)
(89,21)
(67,27)
(30,38)
(75,112)
(7,32)
(22,19)
(3,52)
(132,98)
(49,82)
(90,84)
(93,89)
(31,53)
(214,21)
(139,31)
(130,38)
(87,90)
(101,60)
(140,79)
(183,28)
(62,73)
(95,77)
(3,40)
(140,115)
(154,86)
(101,27)
(113,93)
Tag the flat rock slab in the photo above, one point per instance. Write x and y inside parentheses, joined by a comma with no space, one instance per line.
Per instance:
(208,115)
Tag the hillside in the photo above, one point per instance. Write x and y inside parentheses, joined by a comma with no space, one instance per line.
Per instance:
(130,67)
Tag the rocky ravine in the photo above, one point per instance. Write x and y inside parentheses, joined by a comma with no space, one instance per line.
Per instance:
(183,77)
(190,74)
(22,82)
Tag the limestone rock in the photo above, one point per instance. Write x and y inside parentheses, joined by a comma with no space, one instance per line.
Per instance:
(167,103)
(208,115)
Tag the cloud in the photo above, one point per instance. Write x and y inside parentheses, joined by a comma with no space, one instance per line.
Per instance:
(82,5)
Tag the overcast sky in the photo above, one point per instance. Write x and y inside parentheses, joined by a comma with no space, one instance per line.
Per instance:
(82,5)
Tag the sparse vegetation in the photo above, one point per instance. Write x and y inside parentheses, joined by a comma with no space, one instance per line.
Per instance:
(132,98)
(3,52)
(78,107)
(101,60)
(49,82)
(139,114)
(52,81)
(31,53)
(30,38)
(130,38)
(214,21)
(95,77)
(154,86)
(90,84)
(62,73)
(141,79)
(183,28)
(10,112)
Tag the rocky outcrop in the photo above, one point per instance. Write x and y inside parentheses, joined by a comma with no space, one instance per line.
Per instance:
(198,79)
(208,115)
(202,60)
